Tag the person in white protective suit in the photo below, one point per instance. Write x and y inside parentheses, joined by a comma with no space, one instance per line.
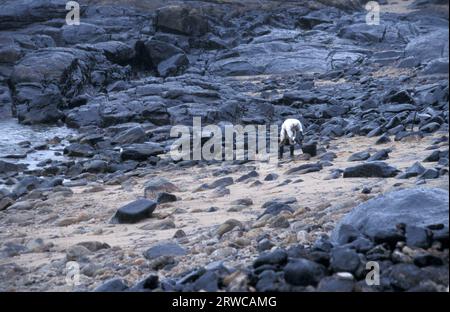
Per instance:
(291,134)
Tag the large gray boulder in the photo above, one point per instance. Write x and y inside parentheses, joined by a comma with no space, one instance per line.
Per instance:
(418,207)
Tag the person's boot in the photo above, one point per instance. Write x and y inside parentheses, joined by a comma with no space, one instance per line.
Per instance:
(291,147)
(280,152)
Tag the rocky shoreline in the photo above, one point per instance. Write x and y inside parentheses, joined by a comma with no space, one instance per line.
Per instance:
(370,186)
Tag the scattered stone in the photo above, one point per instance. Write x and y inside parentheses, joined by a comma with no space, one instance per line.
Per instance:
(335,284)
(251,174)
(360,156)
(310,148)
(303,272)
(280,222)
(165,197)
(383,139)
(159,225)
(228,226)
(169,249)
(371,170)
(415,170)
(380,155)
(112,285)
(418,237)
(158,185)
(264,244)
(5,203)
(243,202)
(141,152)
(77,253)
(429,174)
(94,246)
(277,257)
(222,182)
(344,260)
(179,234)
(271,177)
(134,211)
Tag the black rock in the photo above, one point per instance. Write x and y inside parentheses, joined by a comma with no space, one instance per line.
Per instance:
(131,135)
(25,185)
(390,237)
(322,244)
(413,207)
(371,170)
(383,139)
(79,150)
(165,197)
(433,157)
(181,19)
(310,148)
(271,177)
(207,282)
(346,234)
(413,171)
(401,96)
(134,211)
(157,185)
(405,276)
(328,156)
(173,66)
(418,237)
(361,244)
(366,190)
(424,260)
(429,174)
(11,167)
(335,284)
(275,208)
(378,253)
(344,260)
(306,168)
(166,58)
(96,166)
(264,244)
(430,127)
(276,257)
(222,182)
(360,156)
(112,285)
(303,272)
(267,281)
(147,284)
(380,155)
(168,249)
(251,174)
(141,152)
